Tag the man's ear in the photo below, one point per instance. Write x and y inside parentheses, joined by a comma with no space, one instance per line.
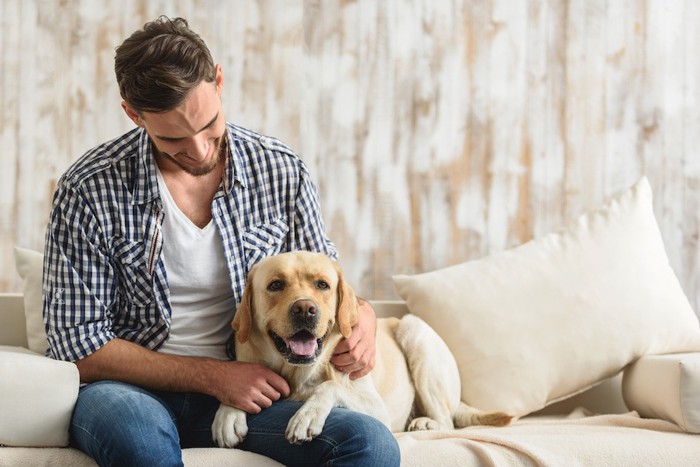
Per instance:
(132,114)
(347,306)
(243,319)
(219,80)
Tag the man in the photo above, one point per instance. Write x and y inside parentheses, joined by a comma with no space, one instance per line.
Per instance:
(149,242)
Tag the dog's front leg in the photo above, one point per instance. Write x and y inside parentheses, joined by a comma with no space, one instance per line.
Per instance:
(229,427)
(308,421)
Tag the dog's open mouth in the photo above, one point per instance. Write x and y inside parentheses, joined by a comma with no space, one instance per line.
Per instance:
(300,349)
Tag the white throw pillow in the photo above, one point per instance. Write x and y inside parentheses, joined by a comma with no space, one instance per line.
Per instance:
(665,387)
(538,323)
(30,265)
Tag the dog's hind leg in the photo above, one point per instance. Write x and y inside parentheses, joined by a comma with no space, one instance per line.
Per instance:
(434,373)
(436,379)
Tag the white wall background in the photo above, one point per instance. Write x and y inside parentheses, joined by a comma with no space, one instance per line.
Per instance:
(437,130)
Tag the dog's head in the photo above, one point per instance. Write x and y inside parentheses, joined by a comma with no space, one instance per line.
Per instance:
(295,299)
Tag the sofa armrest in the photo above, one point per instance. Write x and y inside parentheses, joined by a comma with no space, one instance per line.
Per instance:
(665,387)
(38,396)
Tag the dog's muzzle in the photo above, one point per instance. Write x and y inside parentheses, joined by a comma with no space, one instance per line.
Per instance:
(302,347)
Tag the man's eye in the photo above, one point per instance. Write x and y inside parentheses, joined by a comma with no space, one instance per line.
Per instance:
(323,285)
(275,286)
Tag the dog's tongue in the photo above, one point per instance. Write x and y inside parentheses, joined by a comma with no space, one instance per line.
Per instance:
(302,344)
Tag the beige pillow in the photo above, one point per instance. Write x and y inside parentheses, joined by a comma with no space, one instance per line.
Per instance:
(538,323)
(29,265)
(665,387)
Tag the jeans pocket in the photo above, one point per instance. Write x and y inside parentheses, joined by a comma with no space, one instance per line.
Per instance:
(263,240)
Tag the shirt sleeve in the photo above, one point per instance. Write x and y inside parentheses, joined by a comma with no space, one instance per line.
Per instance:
(78,279)
(310,230)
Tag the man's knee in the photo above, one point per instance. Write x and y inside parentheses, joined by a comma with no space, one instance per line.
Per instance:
(121,424)
(362,438)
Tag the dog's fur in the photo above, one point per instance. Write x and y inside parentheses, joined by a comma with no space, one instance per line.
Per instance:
(295,309)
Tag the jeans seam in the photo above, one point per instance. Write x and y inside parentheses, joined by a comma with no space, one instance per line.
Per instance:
(88,433)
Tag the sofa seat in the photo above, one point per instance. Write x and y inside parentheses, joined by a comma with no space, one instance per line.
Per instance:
(603,440)
(580,439)
(68,457)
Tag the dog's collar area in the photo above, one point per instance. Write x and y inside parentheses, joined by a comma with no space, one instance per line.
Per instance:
(301,348)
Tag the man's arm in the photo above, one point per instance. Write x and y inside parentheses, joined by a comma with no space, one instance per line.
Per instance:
(246,386)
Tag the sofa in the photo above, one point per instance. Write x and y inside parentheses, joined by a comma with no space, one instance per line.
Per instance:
(591,428)
(584,335)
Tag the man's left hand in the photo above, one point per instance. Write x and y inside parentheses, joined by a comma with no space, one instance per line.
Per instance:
(355,355)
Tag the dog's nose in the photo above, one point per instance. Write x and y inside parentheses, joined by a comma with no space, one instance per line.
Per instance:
(304,310)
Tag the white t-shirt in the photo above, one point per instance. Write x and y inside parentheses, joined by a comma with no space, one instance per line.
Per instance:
(200,289)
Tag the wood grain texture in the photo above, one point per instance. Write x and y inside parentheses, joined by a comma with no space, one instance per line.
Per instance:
(437,131)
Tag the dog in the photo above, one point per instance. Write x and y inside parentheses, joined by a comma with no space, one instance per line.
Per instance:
(295,308)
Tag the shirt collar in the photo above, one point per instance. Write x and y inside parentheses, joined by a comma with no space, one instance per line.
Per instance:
(232,173)
(146,181)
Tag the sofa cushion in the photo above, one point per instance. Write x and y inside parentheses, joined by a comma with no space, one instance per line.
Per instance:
(71,457)
(29,265)
(666,387)
(538,323)
(38,396)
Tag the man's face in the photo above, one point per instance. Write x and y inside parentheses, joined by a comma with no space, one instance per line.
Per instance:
(190,136)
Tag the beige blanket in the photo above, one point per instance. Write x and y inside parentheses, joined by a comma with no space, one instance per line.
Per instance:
(605,440)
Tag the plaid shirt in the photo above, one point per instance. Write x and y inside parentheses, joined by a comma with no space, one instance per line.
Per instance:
(103,272)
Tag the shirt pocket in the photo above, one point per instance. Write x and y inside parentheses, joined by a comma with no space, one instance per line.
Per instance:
(263,240)
(131,263)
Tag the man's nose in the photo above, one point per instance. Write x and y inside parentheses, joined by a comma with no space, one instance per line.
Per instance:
(199,148)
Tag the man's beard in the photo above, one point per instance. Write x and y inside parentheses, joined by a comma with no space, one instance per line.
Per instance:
(201,170)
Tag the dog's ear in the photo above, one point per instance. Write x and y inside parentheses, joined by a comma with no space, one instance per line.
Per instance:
(347,305)
(243,319)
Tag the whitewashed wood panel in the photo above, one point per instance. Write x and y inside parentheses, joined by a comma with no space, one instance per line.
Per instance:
(438,131)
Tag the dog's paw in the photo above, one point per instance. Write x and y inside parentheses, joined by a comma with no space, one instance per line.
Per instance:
(305,425)
(423,424)
(229,427)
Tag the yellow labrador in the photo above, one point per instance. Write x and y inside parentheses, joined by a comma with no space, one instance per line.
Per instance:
(295,309)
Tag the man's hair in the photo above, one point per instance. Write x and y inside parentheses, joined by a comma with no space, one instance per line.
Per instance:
(157,66)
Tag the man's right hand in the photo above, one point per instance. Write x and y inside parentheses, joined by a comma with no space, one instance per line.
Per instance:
(250,387)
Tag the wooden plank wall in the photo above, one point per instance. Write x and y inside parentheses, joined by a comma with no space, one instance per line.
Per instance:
(437,130)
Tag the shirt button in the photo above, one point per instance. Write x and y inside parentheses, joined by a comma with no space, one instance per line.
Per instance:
(58,296)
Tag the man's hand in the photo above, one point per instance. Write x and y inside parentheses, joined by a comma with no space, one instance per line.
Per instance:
(250,387)
(356,354)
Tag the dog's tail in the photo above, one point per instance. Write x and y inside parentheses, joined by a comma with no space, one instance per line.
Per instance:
(467,416)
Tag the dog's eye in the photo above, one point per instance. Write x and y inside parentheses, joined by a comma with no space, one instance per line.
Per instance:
(275,286)
(322,285)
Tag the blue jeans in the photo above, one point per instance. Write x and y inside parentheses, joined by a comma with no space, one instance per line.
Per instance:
(120,424)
